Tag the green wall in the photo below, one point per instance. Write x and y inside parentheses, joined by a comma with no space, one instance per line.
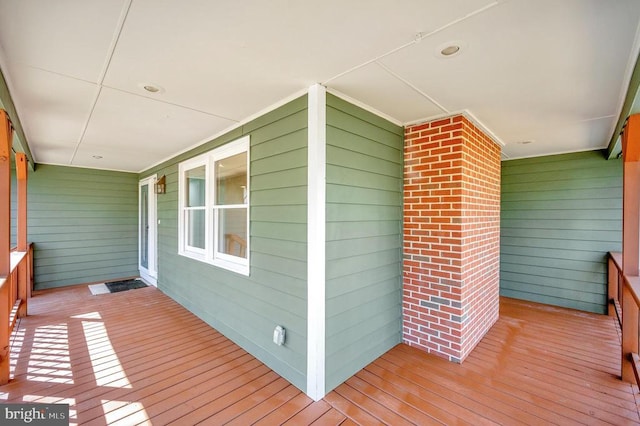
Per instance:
(83,223)
(560,215)
(247,309)
(364,238)
(364,231)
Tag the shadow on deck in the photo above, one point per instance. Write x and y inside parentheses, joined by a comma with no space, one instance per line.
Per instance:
(137,357)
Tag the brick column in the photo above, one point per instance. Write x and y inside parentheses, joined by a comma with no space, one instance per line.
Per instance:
(451,236)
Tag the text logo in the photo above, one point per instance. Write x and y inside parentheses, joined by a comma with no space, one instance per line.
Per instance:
(34,414)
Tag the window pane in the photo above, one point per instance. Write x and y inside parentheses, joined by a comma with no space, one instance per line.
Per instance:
(231,180)
(196,187)
(195,228)
(232,232)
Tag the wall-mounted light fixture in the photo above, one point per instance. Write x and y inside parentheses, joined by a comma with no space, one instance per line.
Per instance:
(161,185)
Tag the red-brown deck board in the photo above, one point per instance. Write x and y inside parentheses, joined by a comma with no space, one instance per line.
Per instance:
(137,357)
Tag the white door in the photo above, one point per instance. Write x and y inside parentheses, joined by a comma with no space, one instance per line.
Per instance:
(147,233)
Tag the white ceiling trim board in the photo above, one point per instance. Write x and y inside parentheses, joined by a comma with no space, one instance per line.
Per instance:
(103,73)
(71,77)
(236,125)
(419,37)
(422,36)
(4,66)
(364,106)
(411,86)
(466,113)
(86,124)
(469,116)
(628,73)
(114,42)
(484,128)
(586,120)
(76,166)
(271,107)
(168,103)
(3,62)
(522,157)
(19,135)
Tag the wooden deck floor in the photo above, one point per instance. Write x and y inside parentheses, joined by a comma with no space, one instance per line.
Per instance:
(137,357)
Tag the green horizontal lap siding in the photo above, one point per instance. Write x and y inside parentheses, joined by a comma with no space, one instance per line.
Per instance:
(83,223)
(560,215)
(363,248)
(247,309)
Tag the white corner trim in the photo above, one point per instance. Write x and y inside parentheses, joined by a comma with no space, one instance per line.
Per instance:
(316,256)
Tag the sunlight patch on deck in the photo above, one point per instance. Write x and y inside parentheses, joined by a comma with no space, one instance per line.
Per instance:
(49,359)
(17,342)
(88,315)
(106,366)
(124,412)
(73,414)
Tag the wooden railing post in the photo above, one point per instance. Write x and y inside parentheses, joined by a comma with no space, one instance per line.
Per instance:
(23,273)
(5,308)
(630,240)
(629,333)
(613,285)
(29,271)
(5,195)
(6,134)
(620,285)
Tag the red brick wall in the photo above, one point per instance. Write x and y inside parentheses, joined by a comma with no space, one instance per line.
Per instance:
(451,236)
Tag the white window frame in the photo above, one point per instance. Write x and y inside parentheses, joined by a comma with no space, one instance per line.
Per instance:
(210,254)
(185,248)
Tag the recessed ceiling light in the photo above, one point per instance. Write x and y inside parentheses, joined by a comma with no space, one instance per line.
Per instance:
(524,142)
(450,50)
(151,88)
(98,157)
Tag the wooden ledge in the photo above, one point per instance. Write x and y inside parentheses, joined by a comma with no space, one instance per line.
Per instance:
(16,258)
(617,259)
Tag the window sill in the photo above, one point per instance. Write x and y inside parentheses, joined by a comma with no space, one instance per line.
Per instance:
(223,264)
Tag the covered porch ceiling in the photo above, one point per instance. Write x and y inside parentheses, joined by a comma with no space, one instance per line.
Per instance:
(541,76)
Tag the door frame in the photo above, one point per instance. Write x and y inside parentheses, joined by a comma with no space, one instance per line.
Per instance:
(150,273)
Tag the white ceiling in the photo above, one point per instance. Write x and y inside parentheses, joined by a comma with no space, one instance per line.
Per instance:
(547,71)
